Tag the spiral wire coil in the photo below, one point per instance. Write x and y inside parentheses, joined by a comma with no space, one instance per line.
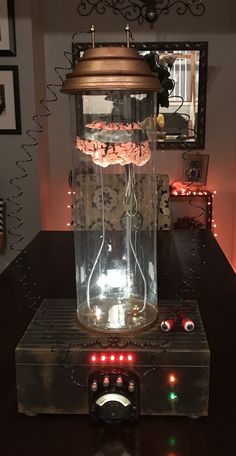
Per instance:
(15,232)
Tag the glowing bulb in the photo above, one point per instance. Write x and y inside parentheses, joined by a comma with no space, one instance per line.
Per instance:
(103,358)
(172,396)
(121,357)
(93,358)
(130,358)
(215,235)
(112,358)
(68,205)
(68,224)
(171,441)
(98,312)
(69,193)
(214,225)
(172,379)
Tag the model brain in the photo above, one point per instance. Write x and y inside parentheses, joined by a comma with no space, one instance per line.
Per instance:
(111,143)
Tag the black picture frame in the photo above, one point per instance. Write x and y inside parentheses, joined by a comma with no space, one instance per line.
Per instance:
(7,29)
(202,47)
(196,169)
(10,115)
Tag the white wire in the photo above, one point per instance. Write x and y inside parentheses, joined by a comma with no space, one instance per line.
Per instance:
(130,194)
(101,246)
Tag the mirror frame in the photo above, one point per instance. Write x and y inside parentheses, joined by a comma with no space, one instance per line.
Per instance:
(202,47)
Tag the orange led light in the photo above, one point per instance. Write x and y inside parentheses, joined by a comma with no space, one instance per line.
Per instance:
(112,358)
(121,357)
(103,358)
(130,358)
(172,379)
(93,358)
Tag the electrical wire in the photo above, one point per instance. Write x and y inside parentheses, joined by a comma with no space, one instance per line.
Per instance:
(187,285)
(16,182)
(102,243)
(130,205)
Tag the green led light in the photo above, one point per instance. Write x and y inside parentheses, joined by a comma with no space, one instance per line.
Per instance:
(172,396)
(172,441)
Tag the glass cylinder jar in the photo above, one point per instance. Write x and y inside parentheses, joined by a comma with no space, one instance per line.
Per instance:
(114,209)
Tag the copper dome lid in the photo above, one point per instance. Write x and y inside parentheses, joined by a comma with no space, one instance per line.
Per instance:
(111,68)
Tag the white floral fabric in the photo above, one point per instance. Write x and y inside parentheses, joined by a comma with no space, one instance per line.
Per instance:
(88,211)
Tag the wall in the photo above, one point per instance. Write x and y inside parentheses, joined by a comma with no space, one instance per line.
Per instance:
(10,145)
(44,33)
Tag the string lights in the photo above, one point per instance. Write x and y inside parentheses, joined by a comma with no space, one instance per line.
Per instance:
(70,207)
(181,190)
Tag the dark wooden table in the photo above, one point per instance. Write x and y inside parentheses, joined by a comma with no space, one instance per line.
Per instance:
(190,265)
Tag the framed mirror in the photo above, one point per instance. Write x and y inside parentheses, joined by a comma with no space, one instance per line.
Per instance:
(182,124)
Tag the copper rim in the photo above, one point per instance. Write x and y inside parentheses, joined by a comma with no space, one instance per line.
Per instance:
(111,68)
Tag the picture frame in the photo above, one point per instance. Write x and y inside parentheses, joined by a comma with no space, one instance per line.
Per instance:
(196,169)
(7,28)
(10,117)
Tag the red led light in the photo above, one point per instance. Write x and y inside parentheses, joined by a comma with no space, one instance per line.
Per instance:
(111,357)
(172,379)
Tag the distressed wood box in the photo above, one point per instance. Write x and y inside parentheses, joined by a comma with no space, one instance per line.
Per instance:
(53,363)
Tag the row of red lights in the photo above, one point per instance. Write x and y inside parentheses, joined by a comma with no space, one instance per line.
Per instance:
(95,358)
(187,192)
(192,193)
(113,358)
